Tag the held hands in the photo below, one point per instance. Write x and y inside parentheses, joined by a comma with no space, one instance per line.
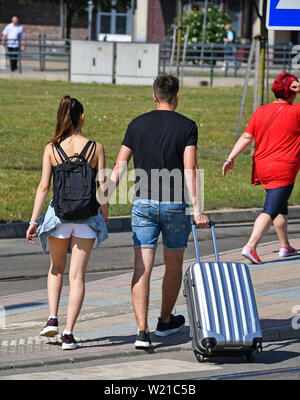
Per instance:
(201,220)
(31,232)
(228,165)
(104,212)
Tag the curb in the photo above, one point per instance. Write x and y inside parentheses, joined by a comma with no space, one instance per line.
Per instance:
(16,230)
(269,334)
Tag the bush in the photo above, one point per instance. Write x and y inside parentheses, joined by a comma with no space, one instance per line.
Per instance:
(215,25)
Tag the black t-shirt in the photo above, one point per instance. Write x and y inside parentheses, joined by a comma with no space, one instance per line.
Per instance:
(157,140)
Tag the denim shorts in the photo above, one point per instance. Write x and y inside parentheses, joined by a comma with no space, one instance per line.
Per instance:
(150,217)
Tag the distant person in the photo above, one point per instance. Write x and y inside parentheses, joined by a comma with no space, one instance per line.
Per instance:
(14,37)
(275,127)
(161,142)
(73,216)
(229,47)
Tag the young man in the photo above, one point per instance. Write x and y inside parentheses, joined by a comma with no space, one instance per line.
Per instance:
(14,36)
(163,144)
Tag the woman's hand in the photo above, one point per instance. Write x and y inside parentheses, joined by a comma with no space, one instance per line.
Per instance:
(295,87)
(31,232)
(228,165)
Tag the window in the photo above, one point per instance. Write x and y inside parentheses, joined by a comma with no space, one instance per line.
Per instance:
(114,19)
(105,23)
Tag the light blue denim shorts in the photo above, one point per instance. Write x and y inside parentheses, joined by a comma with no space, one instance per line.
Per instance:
(150,217)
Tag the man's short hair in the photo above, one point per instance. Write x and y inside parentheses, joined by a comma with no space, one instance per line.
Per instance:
(166,88)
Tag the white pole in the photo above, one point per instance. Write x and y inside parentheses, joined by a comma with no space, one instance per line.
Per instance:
(173,48)
(184,52)
(246,81)
(204,30)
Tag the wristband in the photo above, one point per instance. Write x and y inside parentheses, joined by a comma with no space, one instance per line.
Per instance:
(33,223)
(227,160)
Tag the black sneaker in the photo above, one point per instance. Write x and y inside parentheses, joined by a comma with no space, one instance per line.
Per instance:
(143,340)
(68,342)
(175,324)
(50,329)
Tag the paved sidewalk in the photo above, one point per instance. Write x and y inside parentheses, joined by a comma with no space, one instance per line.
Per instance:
(106,326)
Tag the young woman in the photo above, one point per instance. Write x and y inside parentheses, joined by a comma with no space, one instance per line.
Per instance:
(275,128)
(79,232)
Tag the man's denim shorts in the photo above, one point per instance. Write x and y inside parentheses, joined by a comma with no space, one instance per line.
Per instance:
(150,217)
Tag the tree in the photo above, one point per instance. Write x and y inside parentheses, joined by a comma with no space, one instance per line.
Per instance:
(76,8)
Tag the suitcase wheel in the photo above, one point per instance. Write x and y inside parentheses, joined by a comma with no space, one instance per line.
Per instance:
(199,357)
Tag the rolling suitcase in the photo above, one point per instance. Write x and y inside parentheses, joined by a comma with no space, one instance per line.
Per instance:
(221,307)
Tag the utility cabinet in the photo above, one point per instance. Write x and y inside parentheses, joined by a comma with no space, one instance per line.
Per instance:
(92,61)
(137,63)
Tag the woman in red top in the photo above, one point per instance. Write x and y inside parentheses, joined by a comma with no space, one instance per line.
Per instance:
(275,127)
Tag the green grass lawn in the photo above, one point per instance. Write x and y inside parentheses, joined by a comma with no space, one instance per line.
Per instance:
(27,121)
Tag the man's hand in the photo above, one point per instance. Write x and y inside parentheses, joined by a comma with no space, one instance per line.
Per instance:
(295,87)
(201,220)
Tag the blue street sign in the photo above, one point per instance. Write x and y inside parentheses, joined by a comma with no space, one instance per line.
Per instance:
(283,15)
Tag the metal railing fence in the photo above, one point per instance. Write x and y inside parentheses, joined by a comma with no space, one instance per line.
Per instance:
(42,53)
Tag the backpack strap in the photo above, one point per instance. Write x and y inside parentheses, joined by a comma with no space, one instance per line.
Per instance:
(61,153)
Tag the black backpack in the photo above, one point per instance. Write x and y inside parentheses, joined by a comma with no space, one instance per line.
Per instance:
(74,185)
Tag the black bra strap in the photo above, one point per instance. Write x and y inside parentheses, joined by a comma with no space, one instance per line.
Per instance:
(85,149)
(61,152)
(92,150)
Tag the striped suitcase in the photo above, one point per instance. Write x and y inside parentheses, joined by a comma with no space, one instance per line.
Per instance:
(221,307)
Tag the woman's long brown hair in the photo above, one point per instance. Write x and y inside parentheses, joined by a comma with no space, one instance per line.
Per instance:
(68,115)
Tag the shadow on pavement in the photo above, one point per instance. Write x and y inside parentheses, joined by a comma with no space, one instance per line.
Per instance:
(274,323)
(112,341)
(283,259)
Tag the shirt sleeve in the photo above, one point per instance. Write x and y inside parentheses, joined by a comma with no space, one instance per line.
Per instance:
(297,109)
(128,138)
(22,32)
(5,30)
(192,136)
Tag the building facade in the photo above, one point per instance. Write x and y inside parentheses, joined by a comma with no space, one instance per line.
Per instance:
(145,20)
(40,17)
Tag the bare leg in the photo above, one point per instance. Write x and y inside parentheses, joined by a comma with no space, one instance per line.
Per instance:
(261,226)
(140,285)
(81,250)
(280,224)
(171,282)
(58,255)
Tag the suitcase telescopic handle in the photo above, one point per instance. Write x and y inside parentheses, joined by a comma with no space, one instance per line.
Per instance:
(213,233)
